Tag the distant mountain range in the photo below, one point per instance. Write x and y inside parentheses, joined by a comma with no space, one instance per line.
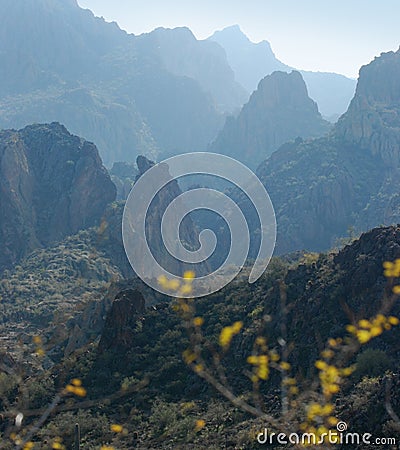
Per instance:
(252,62)
(156,94)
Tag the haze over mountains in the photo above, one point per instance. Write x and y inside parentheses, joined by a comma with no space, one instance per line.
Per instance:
(251,62)
(121,91)
(279,110)
(71,306)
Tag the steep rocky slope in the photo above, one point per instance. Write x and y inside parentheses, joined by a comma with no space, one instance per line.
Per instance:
(52,184)
(349,178)
(115,89)
(278,111)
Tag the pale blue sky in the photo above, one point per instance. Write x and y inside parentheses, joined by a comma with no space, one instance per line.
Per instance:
(326,35)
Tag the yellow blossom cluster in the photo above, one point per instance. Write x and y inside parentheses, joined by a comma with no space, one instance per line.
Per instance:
(227,334)
(76,388)
(365,330)
(261,360)
(261,364)
(37,340)
(174,285)
(392,270)
(331,376)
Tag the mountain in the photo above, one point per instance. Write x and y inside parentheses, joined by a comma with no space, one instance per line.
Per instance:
(347,179)
(251,62)
(202,60)
(331,290)
(52,184)
(278,111)
(63,64)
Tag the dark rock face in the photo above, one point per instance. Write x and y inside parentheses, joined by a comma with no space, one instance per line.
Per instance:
(349,178)
(52,185)
(119,330)
(278,111)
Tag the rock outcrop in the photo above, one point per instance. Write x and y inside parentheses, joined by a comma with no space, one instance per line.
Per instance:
(349,178)
(52,184)
(278,111)
(372,121)
(122,321)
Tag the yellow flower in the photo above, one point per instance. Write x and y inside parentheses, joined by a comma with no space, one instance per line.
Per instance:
(393,320)
(185,289)
(173,285)
(227,334)
(189,356)
(116,428)
(332,421)
(396,290)
(351,329)
(363,336)
(364,324)
(252,359)
(261,340)
(80,391)
(162,281)
(285,365)
(237,326)
(76,382)
(200,424)
(321,365)
(198,321)
(189,275)
(327,354)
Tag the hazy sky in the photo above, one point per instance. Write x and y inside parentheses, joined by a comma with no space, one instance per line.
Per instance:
(326,35)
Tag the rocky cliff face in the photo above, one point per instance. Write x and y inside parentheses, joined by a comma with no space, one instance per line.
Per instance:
(122,321)
(278,111)
(349,178)
(52,184)
(373,119)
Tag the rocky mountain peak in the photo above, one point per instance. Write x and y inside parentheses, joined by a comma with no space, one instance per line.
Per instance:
(278,111)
